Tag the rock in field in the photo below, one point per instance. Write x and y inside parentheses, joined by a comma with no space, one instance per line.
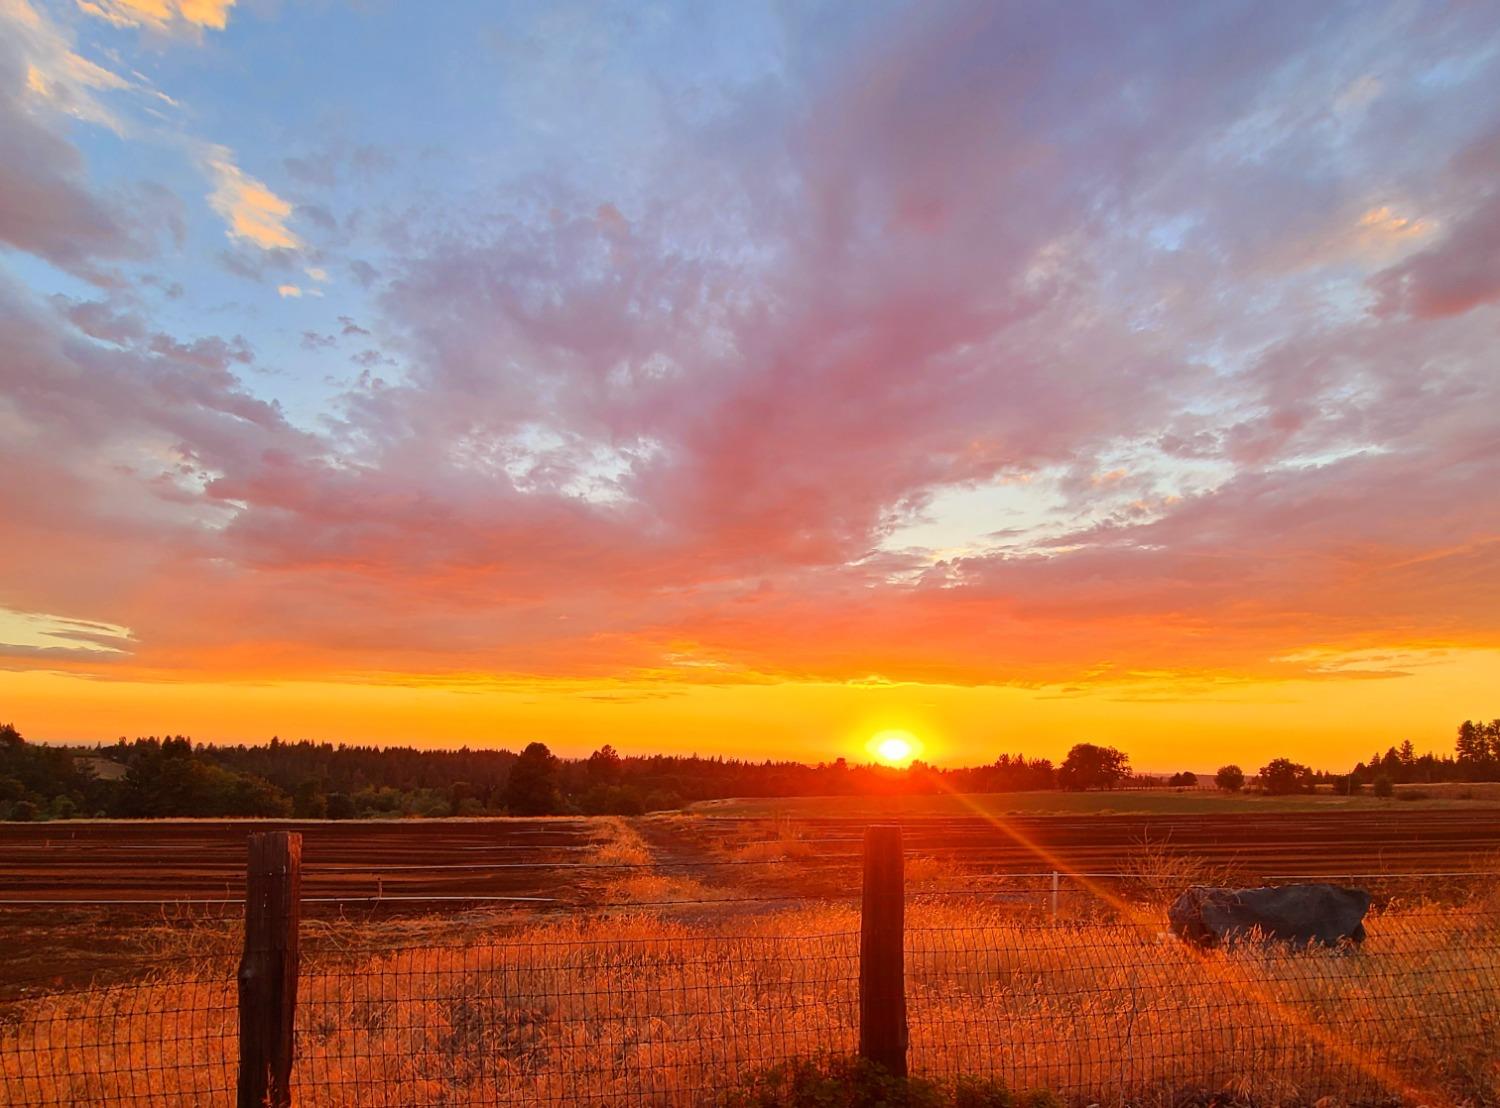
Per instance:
(1296,914)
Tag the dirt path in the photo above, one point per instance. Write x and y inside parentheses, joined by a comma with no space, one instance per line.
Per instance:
(671,844)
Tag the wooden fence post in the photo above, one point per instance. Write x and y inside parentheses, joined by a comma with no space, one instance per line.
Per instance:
(882,961)
(268,969)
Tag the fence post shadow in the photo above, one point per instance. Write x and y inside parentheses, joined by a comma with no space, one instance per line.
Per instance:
(882,959)
(268,969)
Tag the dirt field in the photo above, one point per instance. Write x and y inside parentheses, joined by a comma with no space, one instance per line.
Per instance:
(153,883)
(1125,802)
(425,864)
(152,860)
(1268,844)
(84,899)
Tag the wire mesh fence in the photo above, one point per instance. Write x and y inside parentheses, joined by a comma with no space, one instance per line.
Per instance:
(627,1012)
(168,1037)
(1118,1010)
(1073,984)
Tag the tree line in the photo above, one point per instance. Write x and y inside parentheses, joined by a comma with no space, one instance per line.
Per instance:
(172,776)
(1476,757)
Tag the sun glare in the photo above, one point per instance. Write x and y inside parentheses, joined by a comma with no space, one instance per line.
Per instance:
(894,748)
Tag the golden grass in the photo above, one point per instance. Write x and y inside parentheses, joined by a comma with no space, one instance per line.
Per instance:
(772,850)
(673,1011)
(926,869)
(621,845)
(775,840)
(618,844)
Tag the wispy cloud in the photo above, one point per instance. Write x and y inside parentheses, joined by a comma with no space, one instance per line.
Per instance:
(38,631)
(251,211)
(161,15)
(54,72)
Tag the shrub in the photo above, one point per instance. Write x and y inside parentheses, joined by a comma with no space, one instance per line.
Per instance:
(1384,788)
(340,806)
(308,802)
(64,807)
(857,1083)
(662,800)
(611,800)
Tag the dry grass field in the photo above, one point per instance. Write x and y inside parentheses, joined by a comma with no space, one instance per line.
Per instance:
(642,1009)
(691,985)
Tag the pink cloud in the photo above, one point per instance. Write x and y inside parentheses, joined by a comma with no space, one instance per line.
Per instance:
(1457,275)
(46,207)
(1461,270)
(591,446)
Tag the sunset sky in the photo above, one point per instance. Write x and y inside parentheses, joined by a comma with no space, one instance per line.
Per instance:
(751,379)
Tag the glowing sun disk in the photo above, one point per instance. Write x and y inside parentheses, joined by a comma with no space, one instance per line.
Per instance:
(894,747)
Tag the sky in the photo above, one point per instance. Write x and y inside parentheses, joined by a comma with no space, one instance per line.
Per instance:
(750,379)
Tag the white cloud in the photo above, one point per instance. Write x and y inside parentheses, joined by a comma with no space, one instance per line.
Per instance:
(38,631)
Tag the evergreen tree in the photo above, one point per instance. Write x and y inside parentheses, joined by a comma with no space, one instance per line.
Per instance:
(532,788)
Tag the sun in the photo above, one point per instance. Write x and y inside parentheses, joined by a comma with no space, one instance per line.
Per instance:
(894,748)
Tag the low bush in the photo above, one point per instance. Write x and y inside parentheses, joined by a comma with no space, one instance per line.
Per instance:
(857,1083)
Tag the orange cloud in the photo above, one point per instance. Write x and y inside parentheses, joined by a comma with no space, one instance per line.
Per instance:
(161,15)
(252,211)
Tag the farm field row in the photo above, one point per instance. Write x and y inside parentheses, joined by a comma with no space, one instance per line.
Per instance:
(61,884)
(1250,846)
(202,859)
(1444,796)
(551,859)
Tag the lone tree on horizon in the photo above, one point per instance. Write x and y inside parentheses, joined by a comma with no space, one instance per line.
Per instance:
(1089,766)
(1282,777)
(1230,778)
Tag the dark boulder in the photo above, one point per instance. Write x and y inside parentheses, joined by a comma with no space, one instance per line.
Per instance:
(1297,914)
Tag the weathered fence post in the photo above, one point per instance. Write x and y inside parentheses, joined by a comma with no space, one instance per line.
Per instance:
(268,969)
(882,963)
(1055,884)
